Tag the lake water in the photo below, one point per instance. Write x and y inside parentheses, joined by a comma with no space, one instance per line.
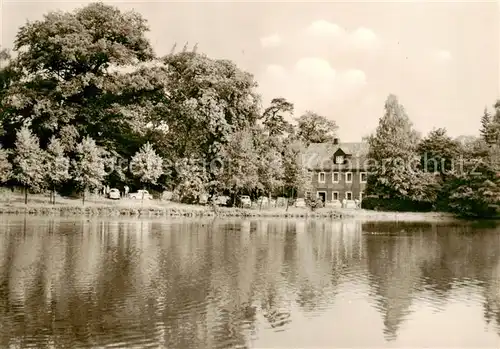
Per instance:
(79,283)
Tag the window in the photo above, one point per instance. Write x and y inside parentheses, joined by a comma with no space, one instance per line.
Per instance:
(339,159)
(360,196)
(363,177)
(335,177)
(348,177)
(321,177)
(335,195)
(348,195)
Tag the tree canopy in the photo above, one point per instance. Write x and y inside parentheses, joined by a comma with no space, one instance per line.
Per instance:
(28,161)
(82,93)
(88,166)
(315,128)
(458,175)
(70,70)
(147,165)
(275,116)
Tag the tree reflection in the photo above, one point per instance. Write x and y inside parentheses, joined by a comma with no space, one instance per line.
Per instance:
(394,259)
(97,283)
(405,259)
(217,284)
(468,254)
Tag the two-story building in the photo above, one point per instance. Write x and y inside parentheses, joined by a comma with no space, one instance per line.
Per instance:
(338,170)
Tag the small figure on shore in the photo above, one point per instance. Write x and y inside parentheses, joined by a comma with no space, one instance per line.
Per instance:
(344,203)
(356,201)
(126,189)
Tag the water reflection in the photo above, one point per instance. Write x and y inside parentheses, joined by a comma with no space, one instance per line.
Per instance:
(241,284)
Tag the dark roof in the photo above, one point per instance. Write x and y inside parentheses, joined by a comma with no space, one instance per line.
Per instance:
(319,156)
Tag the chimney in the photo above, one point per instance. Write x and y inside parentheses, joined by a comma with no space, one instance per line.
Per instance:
(335,141)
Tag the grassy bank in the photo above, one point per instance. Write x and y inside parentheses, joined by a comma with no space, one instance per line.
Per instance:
(148,209)
(39,205)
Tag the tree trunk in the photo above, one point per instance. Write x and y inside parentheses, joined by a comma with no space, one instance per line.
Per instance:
(25,195)
(288,200)
(83,197)
(54,195)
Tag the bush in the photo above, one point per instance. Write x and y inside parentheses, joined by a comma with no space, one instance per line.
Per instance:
(313,204)
(397,205)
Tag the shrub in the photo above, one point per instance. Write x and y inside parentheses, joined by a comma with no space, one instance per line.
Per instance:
(398,205)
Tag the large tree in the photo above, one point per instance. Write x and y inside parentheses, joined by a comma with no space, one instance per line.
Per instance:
(146,165)
(296,177)
(192,180)
(88,167)
(7,76)
(442,156)
(474,190)
(315,128)
(439,152)
(28,162)
(476,193)
(270,168)
(208,100)
(240,173)
(487,132)
(490,125)
(81,68)
(395,163)
(275,116)
(57,164)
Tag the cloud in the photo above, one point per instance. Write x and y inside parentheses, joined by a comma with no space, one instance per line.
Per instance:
(312,83)
(361,38)
(315,68)
(271,40)
(364,38)
(325,28)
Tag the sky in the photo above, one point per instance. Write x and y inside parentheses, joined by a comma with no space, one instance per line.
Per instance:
(339,59)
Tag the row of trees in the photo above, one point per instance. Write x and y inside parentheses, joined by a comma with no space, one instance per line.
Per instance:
(38,169)
(84,89)
(459,175)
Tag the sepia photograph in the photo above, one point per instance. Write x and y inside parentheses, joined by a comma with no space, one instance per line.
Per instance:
(249,174)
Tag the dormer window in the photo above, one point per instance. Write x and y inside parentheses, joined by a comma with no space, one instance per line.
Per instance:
(339,159)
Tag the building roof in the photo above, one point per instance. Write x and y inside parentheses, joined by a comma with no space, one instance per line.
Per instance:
(320,156)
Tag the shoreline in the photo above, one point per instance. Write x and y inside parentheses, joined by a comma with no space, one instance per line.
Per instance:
(170,210)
